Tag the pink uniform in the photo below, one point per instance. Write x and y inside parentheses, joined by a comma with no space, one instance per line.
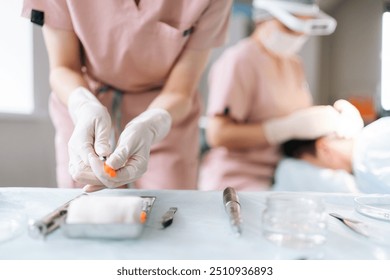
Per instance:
(132,48)
(250,86)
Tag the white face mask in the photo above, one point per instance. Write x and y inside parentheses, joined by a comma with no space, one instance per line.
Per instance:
(281,43)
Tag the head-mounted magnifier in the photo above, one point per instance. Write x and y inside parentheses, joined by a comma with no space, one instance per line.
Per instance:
(318,22)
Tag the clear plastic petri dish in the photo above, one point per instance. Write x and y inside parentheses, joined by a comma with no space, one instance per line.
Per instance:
(295,220)
(12,224)
(374,206)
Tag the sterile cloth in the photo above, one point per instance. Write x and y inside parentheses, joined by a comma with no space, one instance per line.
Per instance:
(296,175)
(371,158)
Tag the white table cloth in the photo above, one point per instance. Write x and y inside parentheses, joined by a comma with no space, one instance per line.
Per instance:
(200,230)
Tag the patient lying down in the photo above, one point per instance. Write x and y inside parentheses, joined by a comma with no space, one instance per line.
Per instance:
(366,157)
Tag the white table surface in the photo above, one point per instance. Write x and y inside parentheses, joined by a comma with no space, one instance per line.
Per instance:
(200,230)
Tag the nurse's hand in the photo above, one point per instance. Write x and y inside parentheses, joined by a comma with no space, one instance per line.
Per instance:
(130,158)
(91,134)
(351,122)
(308,123)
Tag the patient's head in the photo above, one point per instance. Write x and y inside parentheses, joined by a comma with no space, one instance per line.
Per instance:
(328,152)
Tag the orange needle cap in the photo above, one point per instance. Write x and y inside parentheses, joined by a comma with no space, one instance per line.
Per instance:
(143,217)
(109,170)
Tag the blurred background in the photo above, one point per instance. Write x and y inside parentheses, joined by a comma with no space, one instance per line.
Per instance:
(348,64)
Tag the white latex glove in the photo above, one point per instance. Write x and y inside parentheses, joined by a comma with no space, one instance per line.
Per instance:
(351,122)
(130,158)
(309,123)
(91,134)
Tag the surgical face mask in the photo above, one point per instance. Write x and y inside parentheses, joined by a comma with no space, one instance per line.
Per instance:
(279,42)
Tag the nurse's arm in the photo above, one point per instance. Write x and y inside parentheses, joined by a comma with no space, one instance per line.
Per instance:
(176,96)
(63,49)
(222,131)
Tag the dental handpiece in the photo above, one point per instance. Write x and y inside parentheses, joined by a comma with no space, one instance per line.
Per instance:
(232,207)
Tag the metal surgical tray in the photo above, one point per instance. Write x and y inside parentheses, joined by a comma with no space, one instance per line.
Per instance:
(108,231)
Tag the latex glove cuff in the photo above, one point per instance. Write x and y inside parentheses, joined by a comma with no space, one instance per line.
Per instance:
(78,99)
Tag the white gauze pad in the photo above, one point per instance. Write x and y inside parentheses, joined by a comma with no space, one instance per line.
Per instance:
(104,210)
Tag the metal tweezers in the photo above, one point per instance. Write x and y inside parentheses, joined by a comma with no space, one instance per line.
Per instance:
(49,223)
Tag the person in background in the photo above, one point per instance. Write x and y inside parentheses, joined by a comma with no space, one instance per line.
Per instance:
(366,155)
(259,97)
(134,66)
(332,175)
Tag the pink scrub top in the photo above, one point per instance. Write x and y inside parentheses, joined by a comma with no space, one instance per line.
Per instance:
(132,48)
(251,86)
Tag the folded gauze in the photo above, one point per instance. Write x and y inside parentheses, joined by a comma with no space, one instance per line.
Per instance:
(104,210)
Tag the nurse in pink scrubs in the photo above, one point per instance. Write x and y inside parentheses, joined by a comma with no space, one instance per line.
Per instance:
(131,67)
(255,87)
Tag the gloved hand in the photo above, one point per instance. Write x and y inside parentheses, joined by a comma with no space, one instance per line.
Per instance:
(130,158)
(91,134)
(351,122)
(308,123)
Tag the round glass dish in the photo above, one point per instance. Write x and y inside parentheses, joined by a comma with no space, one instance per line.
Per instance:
(12,224)
(295,220)
(374,206)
